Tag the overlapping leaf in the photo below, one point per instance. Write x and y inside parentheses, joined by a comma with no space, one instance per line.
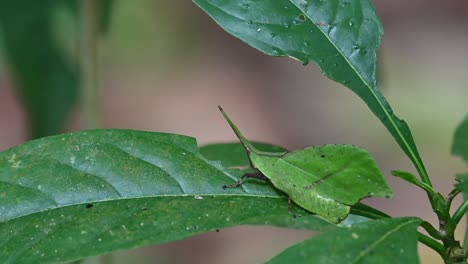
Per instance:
(379,241)
(87,193)
(340,36)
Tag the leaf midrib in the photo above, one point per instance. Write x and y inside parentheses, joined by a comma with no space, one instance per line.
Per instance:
(364,252)
(184,195)
(389,117)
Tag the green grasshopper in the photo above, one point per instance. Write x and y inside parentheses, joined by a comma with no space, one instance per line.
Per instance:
(325,180)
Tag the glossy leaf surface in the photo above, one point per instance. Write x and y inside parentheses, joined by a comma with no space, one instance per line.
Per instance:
(81,194)
(379,241)
(460,140)
(340,36)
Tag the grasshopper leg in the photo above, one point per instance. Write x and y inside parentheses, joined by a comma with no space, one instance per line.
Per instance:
(290,206)
(255,175)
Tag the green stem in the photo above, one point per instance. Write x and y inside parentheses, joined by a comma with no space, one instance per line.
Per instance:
(431,230)
(436,246)
(367,211)
(450,197)
(90,91)
(457,216)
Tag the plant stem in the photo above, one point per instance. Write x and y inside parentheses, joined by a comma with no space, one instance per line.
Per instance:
(90,92)
(457,216)
(436,246)
(431,230)
(450,197)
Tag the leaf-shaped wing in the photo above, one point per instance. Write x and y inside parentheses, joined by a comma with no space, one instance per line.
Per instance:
(325,180)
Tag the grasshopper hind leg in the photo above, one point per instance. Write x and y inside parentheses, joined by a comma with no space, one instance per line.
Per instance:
(255,175)
(290,207)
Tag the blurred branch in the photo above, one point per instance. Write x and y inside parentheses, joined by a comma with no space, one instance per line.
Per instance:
(90,88)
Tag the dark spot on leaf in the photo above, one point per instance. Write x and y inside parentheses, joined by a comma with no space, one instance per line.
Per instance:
(144,209)
(90,205)
(302,17)
(224,187)
(322,156)
(294,185)
(217,230)
(388,196)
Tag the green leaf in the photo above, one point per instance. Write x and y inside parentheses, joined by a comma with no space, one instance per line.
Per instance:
(47,81)
(379,241)
(87,193)
(413,180)
(462,184)
(45,76)
(340,36)
(460,140)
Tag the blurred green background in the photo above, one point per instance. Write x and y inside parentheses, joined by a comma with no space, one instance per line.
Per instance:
(165,66)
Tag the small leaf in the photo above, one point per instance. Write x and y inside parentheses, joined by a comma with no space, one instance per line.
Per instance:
(342,37)
(460,140)
(413,180)
(379,241)
(87,193)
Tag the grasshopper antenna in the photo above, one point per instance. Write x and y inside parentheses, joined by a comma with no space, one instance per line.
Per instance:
(247,145)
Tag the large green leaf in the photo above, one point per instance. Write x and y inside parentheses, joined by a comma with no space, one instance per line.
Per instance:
(460,140)
(87,193)
(340,36)
(380,241)
(47,82)
(46,77)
